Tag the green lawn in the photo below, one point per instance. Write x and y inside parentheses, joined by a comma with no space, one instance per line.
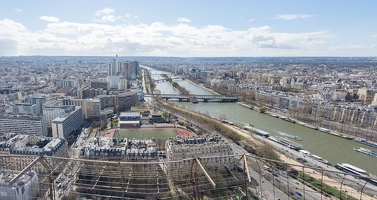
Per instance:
(142,134)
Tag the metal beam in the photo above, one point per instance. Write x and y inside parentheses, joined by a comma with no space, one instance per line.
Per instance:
(99,176)
(194,179)
(246,169)
(205,173)
(27,168)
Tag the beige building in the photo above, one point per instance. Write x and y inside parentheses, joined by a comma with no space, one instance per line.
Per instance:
(179,149)
(366,95)
(93,108)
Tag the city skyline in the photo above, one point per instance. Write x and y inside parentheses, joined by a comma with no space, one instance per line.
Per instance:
(188,28)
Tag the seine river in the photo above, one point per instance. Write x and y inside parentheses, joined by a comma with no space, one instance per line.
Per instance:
(331,148)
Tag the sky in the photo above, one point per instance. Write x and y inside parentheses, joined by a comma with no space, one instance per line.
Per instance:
(188,28)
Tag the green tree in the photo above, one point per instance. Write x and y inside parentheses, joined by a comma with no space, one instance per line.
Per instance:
(262,109)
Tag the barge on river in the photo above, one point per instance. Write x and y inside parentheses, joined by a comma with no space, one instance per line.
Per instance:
(286,142)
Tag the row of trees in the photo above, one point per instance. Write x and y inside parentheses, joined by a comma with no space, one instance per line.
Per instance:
(210,125)
(180,89)
(150,82)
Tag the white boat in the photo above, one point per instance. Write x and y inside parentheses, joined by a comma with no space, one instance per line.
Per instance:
(292,136)
(351,169)
(320,159)
(286,142)
(305,153)
(366,151)
(325,130)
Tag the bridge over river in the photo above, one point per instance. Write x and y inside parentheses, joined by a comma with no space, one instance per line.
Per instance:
(190,97)
(174,78)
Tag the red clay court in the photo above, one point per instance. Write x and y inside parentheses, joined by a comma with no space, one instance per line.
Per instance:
(179,131)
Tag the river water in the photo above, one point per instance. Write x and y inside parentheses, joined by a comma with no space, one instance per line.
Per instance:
(331,148)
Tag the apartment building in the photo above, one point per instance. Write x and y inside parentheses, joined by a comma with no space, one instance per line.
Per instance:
(26,188)
(23,124)
(198,147)
(67,123)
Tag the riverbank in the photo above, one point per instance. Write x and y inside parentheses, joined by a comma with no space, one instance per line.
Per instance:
(250,137)
(280,115)
(326,179)
(203,87)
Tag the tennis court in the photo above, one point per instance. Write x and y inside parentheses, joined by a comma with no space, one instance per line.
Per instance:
(143,133)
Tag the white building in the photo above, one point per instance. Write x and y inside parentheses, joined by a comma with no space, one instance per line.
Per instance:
(52,110)
(93,108)
(23,124)
(113,82)
(178,149)
(67,122)
(23,108)
(38,101)
(26,188)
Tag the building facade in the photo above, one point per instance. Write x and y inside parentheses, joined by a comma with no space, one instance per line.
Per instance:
(178,149)
(23,124)
(126,101)
(23,108)
(26,188)
(67,123)
(53,109)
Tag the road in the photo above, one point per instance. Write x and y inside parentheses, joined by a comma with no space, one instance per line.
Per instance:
(65,181)
(265,188)
(333,173)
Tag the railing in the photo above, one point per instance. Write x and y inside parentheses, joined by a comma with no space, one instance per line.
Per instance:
(212,177)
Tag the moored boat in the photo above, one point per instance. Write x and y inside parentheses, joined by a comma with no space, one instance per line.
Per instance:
(366,142)
(288,119)
(325,130)
(319,159)
(286,142)
(292,136)
(366,151)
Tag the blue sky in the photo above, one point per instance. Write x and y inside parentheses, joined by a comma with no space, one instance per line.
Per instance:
(188,28)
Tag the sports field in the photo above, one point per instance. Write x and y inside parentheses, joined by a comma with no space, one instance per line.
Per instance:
(142,134)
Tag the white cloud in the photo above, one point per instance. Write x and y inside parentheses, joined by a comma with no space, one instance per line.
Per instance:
(374,36)
(108,15)
(105,11)
(292,16)
(160,39)
(252,19)
(17,9)
(49,18)
(183,20)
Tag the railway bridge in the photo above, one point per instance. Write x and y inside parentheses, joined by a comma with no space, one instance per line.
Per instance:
(190,97)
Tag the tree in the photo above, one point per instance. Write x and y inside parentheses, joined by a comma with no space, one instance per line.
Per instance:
(293,173)
(222,117)
(262,109)
(71,196)
(348,97)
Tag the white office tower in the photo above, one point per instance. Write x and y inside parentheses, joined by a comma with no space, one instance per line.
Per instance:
(113,82)
(113,76)
(116,64)
(122,84)
(113,67)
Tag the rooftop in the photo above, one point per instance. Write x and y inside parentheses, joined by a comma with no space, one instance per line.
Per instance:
(129,114)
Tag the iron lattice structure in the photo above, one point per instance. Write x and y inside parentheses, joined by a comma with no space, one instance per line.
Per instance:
(191,178)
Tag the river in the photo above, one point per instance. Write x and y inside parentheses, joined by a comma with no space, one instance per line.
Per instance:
(331,148)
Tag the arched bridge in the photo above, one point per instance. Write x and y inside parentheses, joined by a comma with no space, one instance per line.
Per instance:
(205,98)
